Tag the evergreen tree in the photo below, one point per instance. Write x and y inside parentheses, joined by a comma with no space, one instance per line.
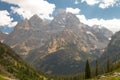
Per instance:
(108,65)
(96,69)
(87,70)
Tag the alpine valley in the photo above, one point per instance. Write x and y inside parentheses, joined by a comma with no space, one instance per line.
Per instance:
(61,46)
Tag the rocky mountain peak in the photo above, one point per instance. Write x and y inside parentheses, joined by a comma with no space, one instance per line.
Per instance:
(100,29)
(34,23)
(65,20)
(37,23)
(35,18)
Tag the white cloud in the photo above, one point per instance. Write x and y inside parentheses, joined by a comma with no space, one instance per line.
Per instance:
(76,2)
(22,12)
(30,7)
(72,10)
(102,3)
(5,19)
(112,24)
(107,3)
(91,2)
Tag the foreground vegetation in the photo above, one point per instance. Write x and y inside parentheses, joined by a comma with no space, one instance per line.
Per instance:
(11,65)
(113,73)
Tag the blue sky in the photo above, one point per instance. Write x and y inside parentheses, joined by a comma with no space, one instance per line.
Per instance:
(91,12)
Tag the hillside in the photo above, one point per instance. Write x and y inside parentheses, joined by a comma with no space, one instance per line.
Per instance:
(109,62)
(113,49)
(112,52)
(113,75)
(12,66)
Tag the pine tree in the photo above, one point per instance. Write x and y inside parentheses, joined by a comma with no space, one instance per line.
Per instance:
(96,69)
(108,65)
(87,70)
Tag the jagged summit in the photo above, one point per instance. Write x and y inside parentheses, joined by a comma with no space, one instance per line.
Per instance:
(37,23)
(65,20)
(35,18)
(34,23)
(102,30)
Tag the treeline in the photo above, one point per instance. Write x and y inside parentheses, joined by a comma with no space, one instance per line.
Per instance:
(89,72)
(80,76)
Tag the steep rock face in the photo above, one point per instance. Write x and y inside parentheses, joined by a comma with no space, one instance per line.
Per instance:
(26,36)
(113,50)
(65,41)
(68,47)
(64,47)
(2,36)
(97,37)
(101,35)
(111,54)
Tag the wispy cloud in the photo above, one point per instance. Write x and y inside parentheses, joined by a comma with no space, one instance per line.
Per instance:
(91,2)
(28,8)
(6,20)
(76,2)
(73,10)
(102,3)
(111,24)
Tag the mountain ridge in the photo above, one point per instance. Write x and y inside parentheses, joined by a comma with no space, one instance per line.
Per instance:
(35,40)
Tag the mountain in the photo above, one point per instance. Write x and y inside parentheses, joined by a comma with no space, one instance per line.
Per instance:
(101,36)
(12,66)
(64,43)
(110,59)
(113,50)
(2,36)
(65,20)
(28,35)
